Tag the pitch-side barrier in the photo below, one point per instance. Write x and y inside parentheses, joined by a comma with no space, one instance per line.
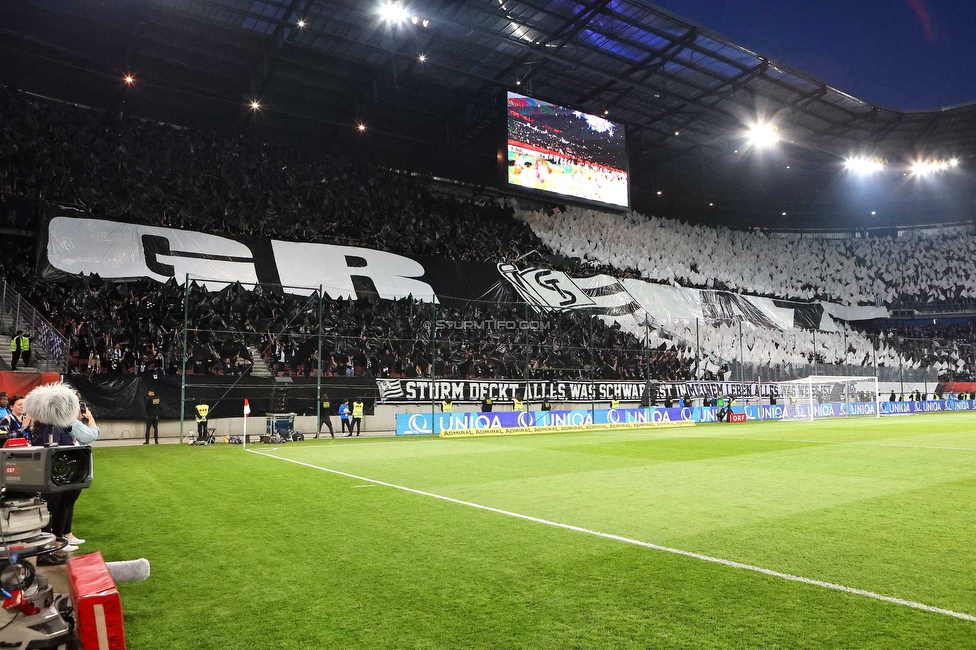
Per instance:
(450,425)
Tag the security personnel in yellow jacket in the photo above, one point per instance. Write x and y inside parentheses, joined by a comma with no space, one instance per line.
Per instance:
(202,411)
(25,348)
(518,405)
(447,406)
(615,403)
(357,416)
(19,345)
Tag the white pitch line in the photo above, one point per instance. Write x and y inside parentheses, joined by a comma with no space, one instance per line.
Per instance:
(636,542)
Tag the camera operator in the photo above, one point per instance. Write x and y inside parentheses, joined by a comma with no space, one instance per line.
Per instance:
(60,421)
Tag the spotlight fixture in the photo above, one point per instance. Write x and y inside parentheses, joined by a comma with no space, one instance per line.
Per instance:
(361,127)
(762,135)
(301,23)
(926,167)
(255,106)
(425,23)
(393,13)
(422,58)
(863,165)
(659,192)
(414,20)
(129,79)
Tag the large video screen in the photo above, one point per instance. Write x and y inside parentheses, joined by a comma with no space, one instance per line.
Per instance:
(558,150)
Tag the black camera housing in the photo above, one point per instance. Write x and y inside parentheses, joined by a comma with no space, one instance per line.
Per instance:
(45,469)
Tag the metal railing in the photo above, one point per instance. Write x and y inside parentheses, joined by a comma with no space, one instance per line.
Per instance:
(46,341)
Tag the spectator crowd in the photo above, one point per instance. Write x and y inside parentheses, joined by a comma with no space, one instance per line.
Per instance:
(918,268)
(145,172)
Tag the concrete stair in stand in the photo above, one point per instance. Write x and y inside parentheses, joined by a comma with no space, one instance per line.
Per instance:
(39,360)
(260,366)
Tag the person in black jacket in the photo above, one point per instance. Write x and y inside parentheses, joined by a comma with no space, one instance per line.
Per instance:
(55,409)
(153,403)
(326,416)
(486,405)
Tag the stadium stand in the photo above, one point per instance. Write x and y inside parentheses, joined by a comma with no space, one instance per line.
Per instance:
(922,268)
(144,172)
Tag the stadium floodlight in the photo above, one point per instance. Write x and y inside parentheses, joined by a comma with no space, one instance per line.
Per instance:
(954,162)
(361,127)
(393,13)
(422,58)
(255,106)
(762,135)
(129,79)
(301,23)
(926,167)
(863,166)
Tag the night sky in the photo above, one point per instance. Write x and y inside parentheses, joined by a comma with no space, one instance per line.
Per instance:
(905,54)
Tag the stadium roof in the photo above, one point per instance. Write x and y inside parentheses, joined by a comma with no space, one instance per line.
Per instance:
(427,90)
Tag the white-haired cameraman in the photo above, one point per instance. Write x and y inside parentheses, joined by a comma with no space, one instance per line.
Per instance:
(58,419)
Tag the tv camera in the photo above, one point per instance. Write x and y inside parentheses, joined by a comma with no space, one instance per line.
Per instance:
(32,614)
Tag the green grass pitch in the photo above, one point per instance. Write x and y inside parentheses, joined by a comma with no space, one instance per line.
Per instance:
(250,551)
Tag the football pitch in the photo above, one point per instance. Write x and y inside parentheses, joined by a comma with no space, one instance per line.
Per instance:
(840,533)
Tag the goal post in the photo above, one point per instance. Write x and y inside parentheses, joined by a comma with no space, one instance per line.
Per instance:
(817,397)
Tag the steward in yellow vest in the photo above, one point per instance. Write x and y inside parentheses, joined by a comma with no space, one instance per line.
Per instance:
(357,416)
(518,405)
(202,411)
(447,406)
(615,403)
(19,345)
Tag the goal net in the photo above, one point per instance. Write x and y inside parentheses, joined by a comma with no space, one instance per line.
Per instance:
(817,397)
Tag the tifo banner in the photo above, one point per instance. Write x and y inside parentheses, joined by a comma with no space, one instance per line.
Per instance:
(503,391)
(77,245)
(696,389)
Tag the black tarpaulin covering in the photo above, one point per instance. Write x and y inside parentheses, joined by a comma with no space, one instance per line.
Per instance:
(123,397)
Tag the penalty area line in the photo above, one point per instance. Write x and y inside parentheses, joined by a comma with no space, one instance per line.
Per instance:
(636,542)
